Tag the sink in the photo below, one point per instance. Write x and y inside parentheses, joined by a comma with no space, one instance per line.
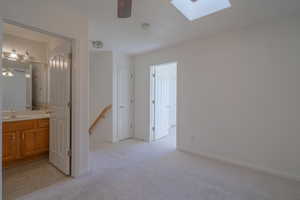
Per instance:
(20,117)
(6,117)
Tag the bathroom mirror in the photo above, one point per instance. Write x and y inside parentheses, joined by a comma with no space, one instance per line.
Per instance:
(17,81)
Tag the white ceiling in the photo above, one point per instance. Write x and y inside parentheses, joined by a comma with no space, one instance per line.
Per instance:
(168,26)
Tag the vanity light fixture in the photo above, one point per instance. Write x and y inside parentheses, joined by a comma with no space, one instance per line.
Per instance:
(27,75)
(7,73)
(13,55)
(4,72)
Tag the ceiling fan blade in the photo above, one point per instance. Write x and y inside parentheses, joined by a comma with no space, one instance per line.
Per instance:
(124,8)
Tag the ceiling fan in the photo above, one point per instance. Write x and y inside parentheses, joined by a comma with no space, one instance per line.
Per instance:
(124,8)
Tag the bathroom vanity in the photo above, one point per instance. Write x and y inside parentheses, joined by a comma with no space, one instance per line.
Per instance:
(25,136)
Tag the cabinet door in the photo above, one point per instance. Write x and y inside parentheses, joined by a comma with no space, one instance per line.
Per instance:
(42,140)
(28,143)
(9,146)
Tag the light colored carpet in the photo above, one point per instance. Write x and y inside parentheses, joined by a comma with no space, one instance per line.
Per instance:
(134,170)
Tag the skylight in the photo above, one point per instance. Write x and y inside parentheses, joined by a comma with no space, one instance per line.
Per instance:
(194,9)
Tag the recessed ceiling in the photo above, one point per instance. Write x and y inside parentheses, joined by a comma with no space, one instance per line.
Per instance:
(169,26)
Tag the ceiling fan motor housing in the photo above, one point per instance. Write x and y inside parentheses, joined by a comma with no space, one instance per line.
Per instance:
(124,8)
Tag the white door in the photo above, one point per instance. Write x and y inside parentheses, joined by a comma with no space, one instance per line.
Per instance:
(59,100)
(164,99)
(162,103)
(124,103)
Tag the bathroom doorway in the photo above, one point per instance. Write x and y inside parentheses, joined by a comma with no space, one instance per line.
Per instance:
(36,74)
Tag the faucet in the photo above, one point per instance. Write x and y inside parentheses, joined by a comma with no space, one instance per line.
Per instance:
(13,114)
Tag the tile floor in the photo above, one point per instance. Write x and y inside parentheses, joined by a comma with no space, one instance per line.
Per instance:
(30,176)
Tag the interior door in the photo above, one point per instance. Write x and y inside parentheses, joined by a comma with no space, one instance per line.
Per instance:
(162,102)
(124,104)
(59,100)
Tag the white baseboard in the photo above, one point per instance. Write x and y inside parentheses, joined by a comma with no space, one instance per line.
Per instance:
(244,165)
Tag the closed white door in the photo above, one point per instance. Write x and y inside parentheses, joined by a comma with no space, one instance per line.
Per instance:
(124,104)
(59,100)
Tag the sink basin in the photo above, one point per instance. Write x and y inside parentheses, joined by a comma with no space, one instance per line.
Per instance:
(5,117)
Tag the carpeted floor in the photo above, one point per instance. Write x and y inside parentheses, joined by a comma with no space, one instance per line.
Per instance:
(133,170)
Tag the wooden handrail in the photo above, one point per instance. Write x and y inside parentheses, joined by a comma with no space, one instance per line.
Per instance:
(101,116)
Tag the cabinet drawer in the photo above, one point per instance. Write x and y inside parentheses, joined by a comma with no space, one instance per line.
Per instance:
(43,123)
(19,126)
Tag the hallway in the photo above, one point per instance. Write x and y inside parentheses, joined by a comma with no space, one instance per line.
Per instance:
(134,170)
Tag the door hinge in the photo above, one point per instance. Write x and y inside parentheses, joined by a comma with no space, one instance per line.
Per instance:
(131,126)
(131,76)
(69,105)
(153,101)
(69,153)
(153,128)
(153,75)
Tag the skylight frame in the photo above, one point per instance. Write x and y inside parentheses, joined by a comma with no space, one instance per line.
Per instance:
(194,10)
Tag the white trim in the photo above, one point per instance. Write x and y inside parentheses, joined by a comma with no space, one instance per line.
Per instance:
(243,164)
(1,175)
(151,105)
(115,138)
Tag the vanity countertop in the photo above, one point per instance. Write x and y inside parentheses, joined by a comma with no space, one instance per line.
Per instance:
(26,115)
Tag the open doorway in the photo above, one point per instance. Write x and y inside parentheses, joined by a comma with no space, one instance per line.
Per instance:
(163,103)
(36,74)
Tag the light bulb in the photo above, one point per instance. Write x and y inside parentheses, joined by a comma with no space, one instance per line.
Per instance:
(26,56)
(66,64)
(10,74)
(27,75)
(13,55)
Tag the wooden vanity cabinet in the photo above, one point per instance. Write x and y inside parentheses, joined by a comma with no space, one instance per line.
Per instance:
(9,146)
(24,139)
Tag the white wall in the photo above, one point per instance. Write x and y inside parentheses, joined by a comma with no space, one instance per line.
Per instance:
(64,19)
(104,67)
(101,84)
(238,96)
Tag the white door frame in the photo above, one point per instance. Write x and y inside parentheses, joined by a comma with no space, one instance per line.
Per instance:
(1,175)
(152,105)
(75,151)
